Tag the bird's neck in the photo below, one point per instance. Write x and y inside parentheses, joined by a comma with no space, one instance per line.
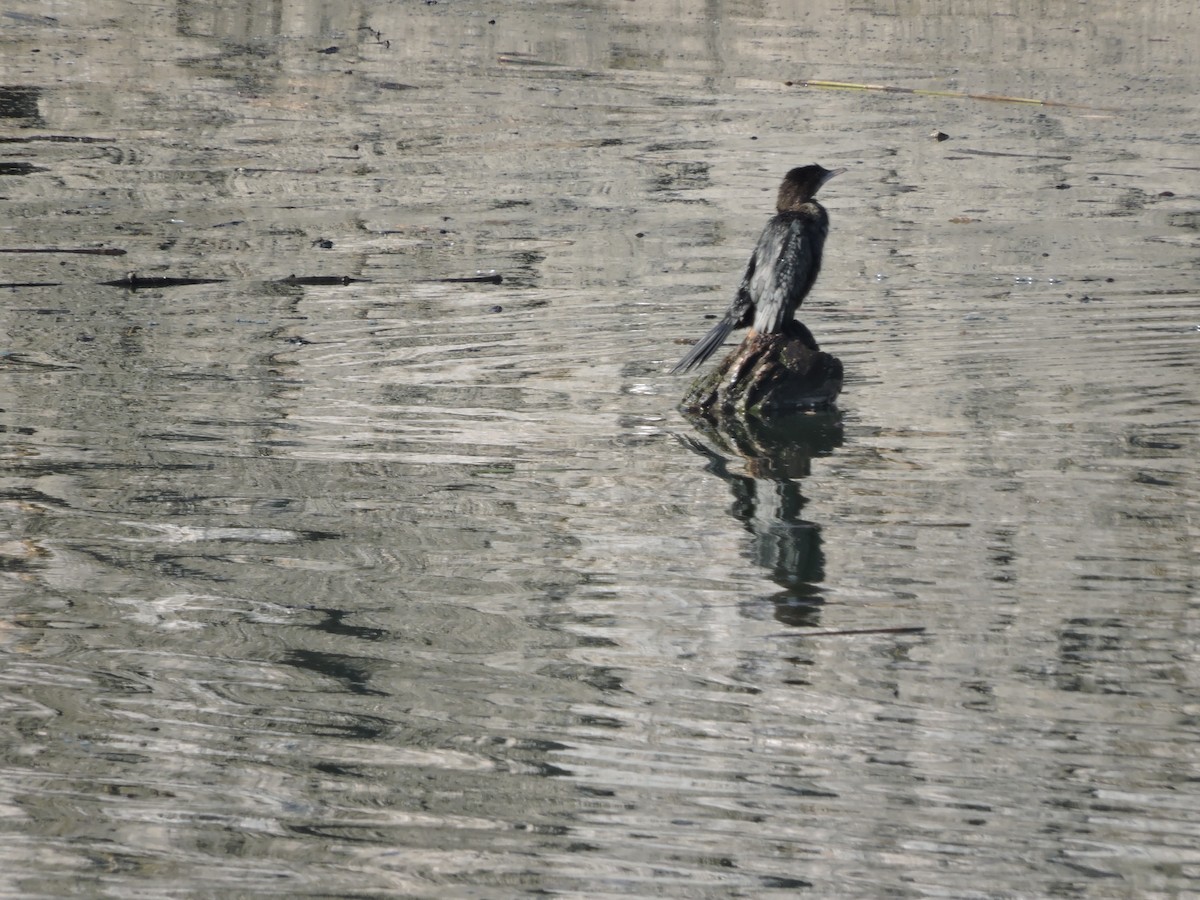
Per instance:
(808,205)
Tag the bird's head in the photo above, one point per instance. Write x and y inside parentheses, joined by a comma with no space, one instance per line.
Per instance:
(801,184)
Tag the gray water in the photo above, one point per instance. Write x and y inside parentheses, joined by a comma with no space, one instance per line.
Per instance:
(408,587)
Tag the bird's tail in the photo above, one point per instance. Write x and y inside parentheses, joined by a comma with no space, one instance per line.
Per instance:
(706,346)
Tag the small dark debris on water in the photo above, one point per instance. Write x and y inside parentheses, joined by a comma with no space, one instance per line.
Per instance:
(328,50)
(319,280)
(20,168)
(490,278)
(26,284)
(29,19)
(56,139)
(495,309)
(1062,187)
(89,251)
(395,86)
(323,243)
(1013,155)
(379,38)
(848,632)
(135,282)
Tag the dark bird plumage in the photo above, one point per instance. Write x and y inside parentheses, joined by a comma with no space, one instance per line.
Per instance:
(782,269)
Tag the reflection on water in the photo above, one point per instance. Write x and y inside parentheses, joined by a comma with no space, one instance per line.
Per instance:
(19,102)
(768,500)
(411,587)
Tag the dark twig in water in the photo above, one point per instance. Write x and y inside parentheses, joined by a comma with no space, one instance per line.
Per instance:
(136,282)
(901,629)
(956,95)
(56,139)
(133,281)
(493,278)
(318,280)
(89,251)
(1005,153)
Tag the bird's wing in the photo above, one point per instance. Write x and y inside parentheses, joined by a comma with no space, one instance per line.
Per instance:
(788,260)
(743,303)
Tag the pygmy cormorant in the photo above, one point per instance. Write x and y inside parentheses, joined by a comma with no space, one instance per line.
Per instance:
(782,268)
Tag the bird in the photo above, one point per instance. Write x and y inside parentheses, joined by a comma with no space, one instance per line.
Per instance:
(782,269)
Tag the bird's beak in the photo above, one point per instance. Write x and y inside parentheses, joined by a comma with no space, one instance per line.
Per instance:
(830,174)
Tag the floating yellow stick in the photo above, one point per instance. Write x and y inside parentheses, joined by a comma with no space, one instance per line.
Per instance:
(958,95)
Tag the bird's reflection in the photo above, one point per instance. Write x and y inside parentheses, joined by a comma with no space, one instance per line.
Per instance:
(768,500)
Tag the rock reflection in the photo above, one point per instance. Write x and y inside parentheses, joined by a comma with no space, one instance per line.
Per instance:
(768,500)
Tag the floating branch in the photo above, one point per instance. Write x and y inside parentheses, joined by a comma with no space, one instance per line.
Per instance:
(1005,153)
(56,139)
(524,59)
(318,280)
(491,278)
(136,282)
(925,92)
(903,629)
(90,251)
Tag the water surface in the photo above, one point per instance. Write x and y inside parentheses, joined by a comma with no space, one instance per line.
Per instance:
(414,587)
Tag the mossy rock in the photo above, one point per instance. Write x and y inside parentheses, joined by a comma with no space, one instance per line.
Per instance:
(768,375)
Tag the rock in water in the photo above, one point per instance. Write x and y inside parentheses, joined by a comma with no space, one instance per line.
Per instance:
(768,375)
